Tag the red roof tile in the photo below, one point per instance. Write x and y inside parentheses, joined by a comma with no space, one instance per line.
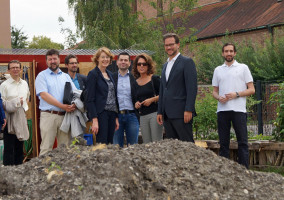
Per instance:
(233,15)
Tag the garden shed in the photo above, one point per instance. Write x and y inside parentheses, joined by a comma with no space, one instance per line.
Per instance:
(33,61)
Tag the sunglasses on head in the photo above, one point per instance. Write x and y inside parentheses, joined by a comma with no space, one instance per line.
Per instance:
(140,64)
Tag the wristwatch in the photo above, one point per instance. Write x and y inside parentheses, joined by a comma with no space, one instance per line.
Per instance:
(237,95)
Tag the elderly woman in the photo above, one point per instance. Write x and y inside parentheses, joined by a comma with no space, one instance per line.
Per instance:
(147,97)
(101,101)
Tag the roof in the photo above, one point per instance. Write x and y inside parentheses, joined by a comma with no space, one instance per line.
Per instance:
(68,51)
(233,16)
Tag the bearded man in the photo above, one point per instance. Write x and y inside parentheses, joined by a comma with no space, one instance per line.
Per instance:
(49,86)
(232,83)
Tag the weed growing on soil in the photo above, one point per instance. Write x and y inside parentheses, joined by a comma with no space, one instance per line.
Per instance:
(52,166)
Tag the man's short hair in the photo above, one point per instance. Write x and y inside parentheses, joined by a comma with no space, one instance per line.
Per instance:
(169,35)
(123,54)
(68,57)
(229,44)
(51,52)
(14,61)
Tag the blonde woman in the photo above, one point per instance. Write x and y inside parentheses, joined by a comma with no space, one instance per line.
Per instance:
(101,101)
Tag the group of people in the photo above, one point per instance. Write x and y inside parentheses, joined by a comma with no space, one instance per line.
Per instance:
(120,102)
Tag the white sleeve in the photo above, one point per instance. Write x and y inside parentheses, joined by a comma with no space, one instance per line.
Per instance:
(215,79)
(247,75)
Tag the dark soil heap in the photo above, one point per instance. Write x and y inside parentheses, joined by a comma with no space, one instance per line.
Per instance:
(168,170)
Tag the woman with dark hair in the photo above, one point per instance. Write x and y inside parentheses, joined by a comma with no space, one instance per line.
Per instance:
(101,101)
(147,97)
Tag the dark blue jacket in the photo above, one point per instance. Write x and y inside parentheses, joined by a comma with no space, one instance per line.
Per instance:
(82,79)
(178,94)
(97,92)
(2,113)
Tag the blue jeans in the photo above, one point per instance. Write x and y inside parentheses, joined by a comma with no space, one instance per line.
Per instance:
(128,123)
(239,121)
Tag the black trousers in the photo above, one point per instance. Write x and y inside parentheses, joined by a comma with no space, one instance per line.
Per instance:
(13,149)
(239,121)
(177,129)
(106,120)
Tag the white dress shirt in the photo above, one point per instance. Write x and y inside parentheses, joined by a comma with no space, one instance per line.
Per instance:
(170,66)
(11,89)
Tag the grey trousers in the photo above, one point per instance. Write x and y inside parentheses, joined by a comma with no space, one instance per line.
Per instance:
(150,129)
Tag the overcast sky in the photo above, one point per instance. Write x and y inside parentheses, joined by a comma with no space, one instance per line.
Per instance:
(40,17)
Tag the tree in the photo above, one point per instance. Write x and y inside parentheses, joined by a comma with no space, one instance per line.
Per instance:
(18,38)
(43,42)
(115,24)
(70,37)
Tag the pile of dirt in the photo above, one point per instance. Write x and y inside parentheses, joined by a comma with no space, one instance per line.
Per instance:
(168,169)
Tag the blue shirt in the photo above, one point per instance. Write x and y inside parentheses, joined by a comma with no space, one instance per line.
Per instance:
(76,82)
(124,92)
(48,81)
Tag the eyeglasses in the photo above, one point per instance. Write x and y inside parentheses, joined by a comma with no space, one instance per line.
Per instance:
(73,63)
(140,64)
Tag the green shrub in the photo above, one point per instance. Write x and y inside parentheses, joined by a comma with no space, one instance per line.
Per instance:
(265,59)
(278,97)
(205,122)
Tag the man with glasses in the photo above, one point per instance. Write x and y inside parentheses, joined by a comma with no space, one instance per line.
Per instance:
(178,90)
(15,95)
(49,85)
(127,116)
(79,80)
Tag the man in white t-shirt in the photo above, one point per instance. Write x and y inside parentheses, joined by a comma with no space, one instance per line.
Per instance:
(232,82)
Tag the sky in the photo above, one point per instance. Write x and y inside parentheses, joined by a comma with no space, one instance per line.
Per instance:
(40,17)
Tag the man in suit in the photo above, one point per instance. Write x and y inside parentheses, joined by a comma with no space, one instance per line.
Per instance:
(71,62)
(178,90)
(128,121)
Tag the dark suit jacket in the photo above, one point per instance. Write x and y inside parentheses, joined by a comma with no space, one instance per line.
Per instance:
(82,79)
(97,92)
(178,94)
(133,86)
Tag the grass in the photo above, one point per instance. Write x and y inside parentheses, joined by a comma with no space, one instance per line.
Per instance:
(270,169)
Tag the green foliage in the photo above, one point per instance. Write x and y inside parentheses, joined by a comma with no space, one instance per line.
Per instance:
(18,38)
(266,61)
(261,137)
(205,122)
(271,169)
(278,97)
(207,57)
(53,165)
(74,142)
(43,42)
(70,37)
(115,25)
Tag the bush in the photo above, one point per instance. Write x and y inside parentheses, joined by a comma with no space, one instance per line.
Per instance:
(265,60)
(278,97)
(205,122)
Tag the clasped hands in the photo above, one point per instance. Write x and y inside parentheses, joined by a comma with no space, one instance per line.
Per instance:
(227,97)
